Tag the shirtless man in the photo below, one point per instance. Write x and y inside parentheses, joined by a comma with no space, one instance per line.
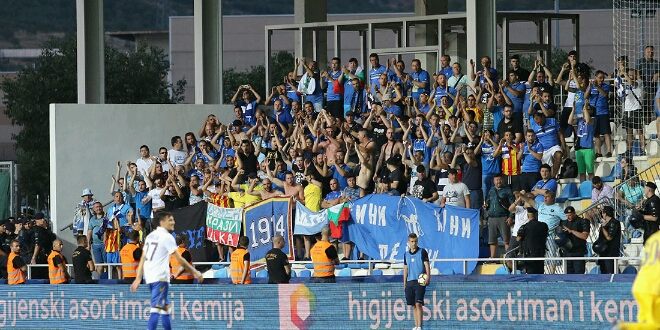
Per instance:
(365,145)
(291,188)
(267,192)
(366,169)
(390,148)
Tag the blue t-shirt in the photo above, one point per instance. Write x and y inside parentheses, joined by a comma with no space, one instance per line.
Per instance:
(547,134)
(586,133)
(493,77)
(330,94)
(448,72)
(374,74)
(579,101)
(420,145)
(292,93)
(421,76)
(440,92)
(489,164)
(393,77)
(415,262)
(551,214)
(517,101)
(145,209)
(547,185)
(529,162)
(248,111)
(599,101)
(284,117)
(496,110)
(343,181)
(425,108)
(394,109)
(333,195)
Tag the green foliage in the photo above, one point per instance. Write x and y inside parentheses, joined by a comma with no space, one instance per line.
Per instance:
(135,77)
(281,64)
(129,74)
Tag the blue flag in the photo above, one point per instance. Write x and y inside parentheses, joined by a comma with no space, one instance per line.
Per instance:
(308,222)
(380,226)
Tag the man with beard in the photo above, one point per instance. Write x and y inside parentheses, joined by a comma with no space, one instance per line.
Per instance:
(267,192)
(424,187)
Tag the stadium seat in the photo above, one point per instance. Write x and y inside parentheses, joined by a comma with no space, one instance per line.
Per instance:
(361,272)
(293,273)
(399,272)
(364,265)
(584,191)
(568,191)
(377,272)
(502,270)
(262,273)
(616,172)
(629,270)
(435,271)
(595,270)
(448,271)
(309,266)
(253,273)
(216,267)
(220,273)
(354,266)
(340,266)
(345,272)
(305,273)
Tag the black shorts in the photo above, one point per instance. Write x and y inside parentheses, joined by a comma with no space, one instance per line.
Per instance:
(415,293)
(633,119)
(602,123)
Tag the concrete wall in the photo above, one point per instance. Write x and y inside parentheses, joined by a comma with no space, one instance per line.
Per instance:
(86,141)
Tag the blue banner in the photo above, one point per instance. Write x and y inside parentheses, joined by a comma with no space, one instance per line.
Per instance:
(380,226)
(308,222)
(264,220)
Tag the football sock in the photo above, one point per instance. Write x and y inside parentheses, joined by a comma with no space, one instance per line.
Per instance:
(153,321)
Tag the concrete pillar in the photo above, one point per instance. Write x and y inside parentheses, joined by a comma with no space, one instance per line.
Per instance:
(208,51)
(91,53)
(428,35)
(313,46)
(481,31)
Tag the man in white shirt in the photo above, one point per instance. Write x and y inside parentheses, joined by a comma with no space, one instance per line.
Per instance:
(144,162)
(455,193)
(177,156)
(155,266)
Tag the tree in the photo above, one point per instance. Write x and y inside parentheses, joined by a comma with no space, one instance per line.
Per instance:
(134,77)
(281,64)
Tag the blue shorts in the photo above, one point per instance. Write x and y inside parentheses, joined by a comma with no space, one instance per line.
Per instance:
(160,294)
(112,257)
(99,253)
(415,293)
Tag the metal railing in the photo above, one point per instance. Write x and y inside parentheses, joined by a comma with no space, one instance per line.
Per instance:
(560,261)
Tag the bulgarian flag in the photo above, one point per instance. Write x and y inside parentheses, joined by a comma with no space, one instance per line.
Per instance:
(336,215)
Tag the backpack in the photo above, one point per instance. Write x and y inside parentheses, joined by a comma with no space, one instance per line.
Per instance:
(569,169)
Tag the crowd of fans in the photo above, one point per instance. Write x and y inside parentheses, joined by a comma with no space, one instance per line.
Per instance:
(471,140)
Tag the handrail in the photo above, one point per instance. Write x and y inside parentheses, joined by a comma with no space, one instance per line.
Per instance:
(372,263)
